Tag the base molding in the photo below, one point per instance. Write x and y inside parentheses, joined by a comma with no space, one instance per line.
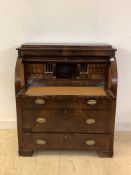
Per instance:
(25,153)
(104,154)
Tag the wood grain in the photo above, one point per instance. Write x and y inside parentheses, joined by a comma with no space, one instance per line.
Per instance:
(75,79)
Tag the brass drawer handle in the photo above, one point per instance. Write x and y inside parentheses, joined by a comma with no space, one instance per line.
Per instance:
(91,102)
(90,121)
(90,142)
(40,142)
(40,101)
(40,120)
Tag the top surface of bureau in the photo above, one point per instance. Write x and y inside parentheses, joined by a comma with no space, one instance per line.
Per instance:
(66,50)
(71,46)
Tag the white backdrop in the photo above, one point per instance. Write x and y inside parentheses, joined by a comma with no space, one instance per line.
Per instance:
(84,21)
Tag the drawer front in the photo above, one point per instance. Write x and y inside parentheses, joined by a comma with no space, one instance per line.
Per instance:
(68,102)
(43,102)
(67,141)
(67,120)
(89,103)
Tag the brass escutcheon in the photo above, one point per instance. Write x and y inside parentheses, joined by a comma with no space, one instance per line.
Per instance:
(90,121)
(40,142)
(40,120)
(90,142)
(40,101)
(91,102)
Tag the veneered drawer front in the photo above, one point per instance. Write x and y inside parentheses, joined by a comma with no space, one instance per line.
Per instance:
(43,102)
(48,120)
(67,120)
(89,103)
(90,121)
(68,102)
(66,141)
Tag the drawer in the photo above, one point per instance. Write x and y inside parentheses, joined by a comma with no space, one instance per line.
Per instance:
(68,102)
(66,141)
(43,102)
(89,103)
(67,120)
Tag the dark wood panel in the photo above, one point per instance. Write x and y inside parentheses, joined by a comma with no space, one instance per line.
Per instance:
(66,50)
(67,141)
(41,52)
(99,82)
(84,59)
(78,102)
(66,120)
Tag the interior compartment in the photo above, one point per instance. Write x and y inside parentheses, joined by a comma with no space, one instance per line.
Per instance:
(51,78)
(66,74)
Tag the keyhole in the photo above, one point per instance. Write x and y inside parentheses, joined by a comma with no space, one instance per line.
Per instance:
(65,111)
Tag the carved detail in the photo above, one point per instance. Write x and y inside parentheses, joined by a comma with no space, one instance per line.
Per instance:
(114,76)
(19,75)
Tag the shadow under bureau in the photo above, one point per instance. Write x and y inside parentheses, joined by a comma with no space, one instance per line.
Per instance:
(66,97)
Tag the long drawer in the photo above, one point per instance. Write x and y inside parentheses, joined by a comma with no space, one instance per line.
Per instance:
(67,141)
(78,102)
(67,120)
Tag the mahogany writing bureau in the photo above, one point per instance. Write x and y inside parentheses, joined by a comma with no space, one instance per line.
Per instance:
(66,97)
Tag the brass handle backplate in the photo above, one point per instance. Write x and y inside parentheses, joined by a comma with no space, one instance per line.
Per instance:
(40,101)
(40,120)
(91,102)
(90,142)
(40,142)
(90,121)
